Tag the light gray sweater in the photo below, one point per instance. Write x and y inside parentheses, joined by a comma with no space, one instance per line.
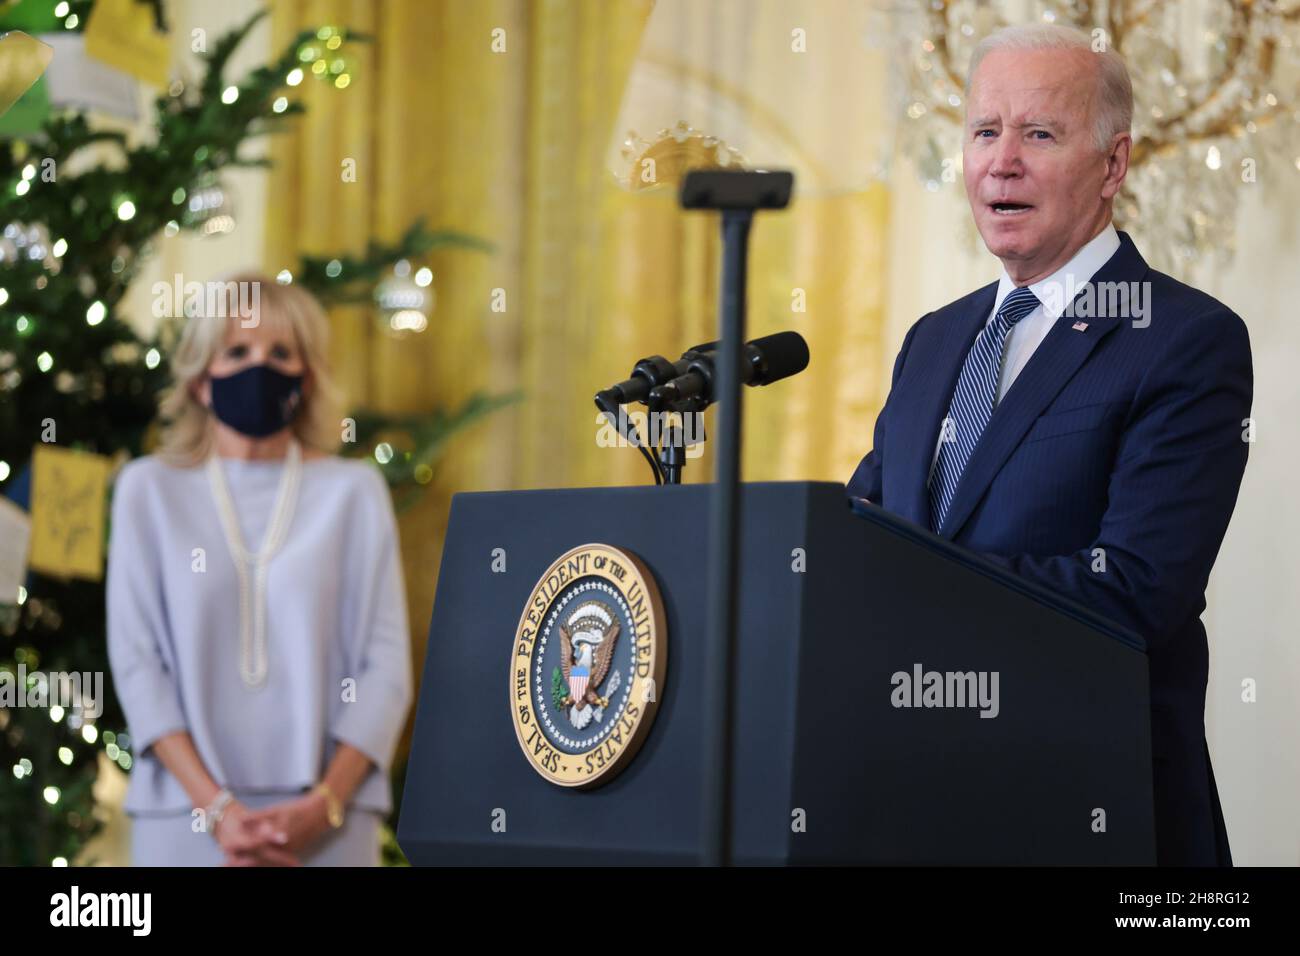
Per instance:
(337,644)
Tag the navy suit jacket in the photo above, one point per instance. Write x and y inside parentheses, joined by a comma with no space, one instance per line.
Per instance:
(1125,438)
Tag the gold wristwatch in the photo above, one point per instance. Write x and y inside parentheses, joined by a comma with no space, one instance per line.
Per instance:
(333,806)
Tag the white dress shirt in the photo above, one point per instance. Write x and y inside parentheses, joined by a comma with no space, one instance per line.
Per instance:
(1054,293)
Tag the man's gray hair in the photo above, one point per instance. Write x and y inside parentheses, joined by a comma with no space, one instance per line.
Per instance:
(1113,110)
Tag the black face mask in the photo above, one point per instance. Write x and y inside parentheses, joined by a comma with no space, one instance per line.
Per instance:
(257,401)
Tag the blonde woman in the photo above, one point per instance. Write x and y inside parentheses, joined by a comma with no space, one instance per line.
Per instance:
(257,625)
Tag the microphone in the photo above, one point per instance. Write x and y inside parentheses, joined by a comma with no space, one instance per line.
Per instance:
(763,361)
(651,372)
(647,374)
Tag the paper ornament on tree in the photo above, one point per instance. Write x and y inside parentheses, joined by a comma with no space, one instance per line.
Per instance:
(68,495)
(77,80)
(22,61)
(124,34)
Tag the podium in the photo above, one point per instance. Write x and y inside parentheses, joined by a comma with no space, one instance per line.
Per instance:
(897,699)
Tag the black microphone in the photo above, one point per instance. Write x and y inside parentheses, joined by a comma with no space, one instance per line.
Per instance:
(651,372)
(764,361)
(646,375)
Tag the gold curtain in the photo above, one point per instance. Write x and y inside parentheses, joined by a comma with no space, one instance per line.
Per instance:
(511,146)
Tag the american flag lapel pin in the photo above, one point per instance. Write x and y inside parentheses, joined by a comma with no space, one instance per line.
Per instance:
(1080,326)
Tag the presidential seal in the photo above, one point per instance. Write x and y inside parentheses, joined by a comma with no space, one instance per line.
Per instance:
(588,665)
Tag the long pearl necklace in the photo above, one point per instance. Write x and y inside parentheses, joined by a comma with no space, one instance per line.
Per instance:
(252,567)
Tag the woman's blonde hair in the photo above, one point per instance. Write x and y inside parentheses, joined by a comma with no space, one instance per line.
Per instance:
(187,425)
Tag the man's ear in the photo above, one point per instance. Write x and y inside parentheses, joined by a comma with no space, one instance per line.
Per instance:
(1116,165)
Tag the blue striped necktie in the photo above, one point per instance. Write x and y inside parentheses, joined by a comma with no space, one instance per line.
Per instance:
(972,402)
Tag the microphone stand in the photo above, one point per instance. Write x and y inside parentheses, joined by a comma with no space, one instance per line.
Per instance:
(737,195)
(672,453)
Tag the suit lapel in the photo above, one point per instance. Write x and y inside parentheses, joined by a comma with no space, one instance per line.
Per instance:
(935,384)
(1053,363)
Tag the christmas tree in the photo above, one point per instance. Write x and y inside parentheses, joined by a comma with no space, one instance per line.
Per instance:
(73,375)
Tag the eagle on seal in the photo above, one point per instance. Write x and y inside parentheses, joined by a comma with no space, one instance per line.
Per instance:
(586,650)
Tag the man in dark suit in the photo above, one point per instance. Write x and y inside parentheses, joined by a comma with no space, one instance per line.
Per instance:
(1084,421)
